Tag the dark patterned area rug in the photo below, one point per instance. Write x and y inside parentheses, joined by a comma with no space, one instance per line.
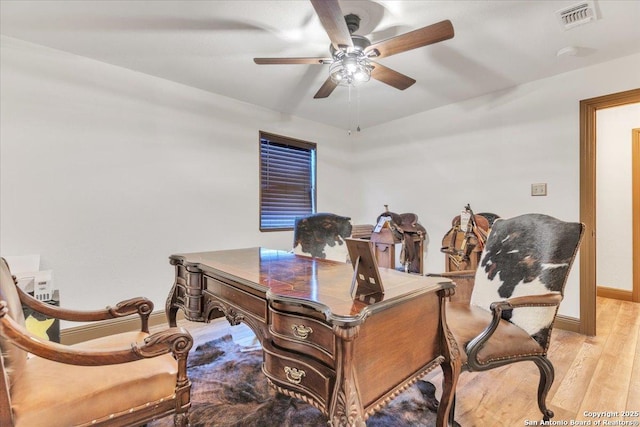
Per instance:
(230,390)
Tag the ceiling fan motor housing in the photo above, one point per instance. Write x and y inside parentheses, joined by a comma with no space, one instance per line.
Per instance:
(360,43)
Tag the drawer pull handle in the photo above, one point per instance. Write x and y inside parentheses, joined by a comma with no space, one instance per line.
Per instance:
(301,331)
(294,375)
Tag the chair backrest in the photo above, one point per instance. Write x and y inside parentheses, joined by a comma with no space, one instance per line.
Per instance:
(322,236)
(529,254)
(14,358)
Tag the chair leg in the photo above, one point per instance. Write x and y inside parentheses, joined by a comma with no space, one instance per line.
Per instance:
(181,419)
(452,414)
(546,379)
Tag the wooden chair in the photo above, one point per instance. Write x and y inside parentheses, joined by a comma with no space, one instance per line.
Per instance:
(125,379)
(322,235)
(517,290)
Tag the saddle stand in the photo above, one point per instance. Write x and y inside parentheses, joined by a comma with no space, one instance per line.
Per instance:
(393,228)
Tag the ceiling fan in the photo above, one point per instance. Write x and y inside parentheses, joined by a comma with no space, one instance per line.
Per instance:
(350,61)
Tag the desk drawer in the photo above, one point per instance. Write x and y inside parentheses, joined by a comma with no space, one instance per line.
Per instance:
(304,335)
(301,374)
(228,293)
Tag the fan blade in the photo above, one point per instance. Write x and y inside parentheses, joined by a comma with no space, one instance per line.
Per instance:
(325,90)
(391,77)
(332,20)
(271,61)
(421,37)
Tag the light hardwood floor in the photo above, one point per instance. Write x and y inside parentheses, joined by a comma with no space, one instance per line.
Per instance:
(592,374)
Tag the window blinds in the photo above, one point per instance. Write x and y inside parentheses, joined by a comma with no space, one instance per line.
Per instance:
(287,181)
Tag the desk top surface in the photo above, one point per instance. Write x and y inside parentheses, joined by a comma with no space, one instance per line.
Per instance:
(321,283)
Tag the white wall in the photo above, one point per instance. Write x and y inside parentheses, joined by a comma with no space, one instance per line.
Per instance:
(106,172)
(614,216)
(487,152)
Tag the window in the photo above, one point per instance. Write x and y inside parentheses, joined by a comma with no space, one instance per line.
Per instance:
(287,181)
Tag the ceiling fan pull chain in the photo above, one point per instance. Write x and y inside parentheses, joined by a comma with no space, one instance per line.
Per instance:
(350,114)
(357,110)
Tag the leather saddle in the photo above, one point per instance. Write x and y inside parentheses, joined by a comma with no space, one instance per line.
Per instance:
(403,223)
(407,229)
(463,240)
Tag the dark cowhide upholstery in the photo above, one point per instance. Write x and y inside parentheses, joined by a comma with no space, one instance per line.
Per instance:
(526,255)
(322,236)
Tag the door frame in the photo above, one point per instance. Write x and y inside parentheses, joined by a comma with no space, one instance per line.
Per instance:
(635,200)
(588,109)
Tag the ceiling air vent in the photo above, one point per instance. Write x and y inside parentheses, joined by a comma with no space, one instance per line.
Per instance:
(578,14)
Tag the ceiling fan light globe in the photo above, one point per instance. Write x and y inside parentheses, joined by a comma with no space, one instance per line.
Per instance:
(361,76)
(350,70)
(337,72)
(350,65)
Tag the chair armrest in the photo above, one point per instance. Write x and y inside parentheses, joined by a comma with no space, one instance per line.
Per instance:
(476,344)
(172,340)
(543,300)
(142,306)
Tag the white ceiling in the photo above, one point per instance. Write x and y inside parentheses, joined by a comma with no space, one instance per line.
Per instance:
(211,45)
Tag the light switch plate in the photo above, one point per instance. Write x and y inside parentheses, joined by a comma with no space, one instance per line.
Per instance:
(539,189)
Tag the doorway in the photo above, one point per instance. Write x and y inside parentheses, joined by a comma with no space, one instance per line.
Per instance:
(588,108)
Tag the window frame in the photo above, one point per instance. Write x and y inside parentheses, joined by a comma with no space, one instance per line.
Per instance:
(293,143)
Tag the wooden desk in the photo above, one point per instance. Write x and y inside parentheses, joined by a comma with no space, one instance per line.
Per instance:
(347,358)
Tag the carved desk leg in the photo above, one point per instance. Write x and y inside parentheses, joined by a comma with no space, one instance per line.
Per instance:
(345,408)
(186,294)
(450,367)
(170,308)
